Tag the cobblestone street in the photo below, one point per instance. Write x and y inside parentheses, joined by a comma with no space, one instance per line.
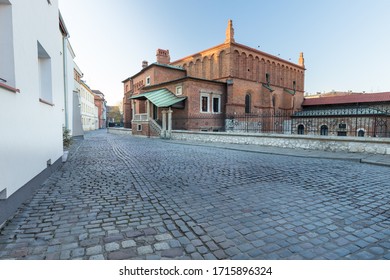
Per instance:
(120,197)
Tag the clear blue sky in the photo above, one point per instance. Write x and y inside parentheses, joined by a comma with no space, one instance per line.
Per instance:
(346,44)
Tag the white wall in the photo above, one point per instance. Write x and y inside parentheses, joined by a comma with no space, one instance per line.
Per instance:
(70,85)
(31,131)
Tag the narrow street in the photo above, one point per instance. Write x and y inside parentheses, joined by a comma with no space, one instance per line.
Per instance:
(121,197)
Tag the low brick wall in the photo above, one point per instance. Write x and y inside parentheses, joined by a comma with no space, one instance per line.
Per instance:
(116,130)
(325,143)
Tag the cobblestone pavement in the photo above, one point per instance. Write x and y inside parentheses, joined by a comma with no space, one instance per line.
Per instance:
(119,197)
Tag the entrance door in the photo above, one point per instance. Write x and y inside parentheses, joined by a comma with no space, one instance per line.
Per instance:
(155,112)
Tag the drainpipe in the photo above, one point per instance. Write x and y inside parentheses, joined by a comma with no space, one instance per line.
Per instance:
(65,58)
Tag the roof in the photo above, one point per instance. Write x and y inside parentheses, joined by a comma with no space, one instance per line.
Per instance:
(98,92)
(155,64)
(162,98)
(348,99)
(328,112)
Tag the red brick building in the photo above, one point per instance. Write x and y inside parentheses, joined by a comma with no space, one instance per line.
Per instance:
(203,90)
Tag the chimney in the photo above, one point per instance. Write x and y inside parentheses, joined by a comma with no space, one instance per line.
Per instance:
(163,56)
(301,60)
(144,64)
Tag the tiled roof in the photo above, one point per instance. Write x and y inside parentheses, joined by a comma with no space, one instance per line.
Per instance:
(348,99)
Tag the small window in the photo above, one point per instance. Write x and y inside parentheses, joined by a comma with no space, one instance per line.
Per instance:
(324,130)
(247,104)
(267,78)
(342,126)
(361,133)
(179,90)
(204,104)
(301,129)
(139,127)
(216,105)
(7,63)
(45,75)
(341,133)
(148,81)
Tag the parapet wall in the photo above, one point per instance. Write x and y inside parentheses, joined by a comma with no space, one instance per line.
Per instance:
(325,143)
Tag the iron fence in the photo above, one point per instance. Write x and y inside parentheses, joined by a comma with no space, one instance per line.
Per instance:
(353,121)
(371,121)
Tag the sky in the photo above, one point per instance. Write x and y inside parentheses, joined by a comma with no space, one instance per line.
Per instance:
(346,44)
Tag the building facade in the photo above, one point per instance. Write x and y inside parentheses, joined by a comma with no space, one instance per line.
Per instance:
(101,104)
(87,104)
(344,114)
(32,98)
(77,127)
(210,88)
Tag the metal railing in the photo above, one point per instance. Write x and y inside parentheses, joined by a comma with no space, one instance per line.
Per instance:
(373,121)
(140,117)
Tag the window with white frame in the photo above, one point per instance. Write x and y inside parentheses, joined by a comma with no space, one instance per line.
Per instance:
(216,104)
(179,90)
(45,75)
(204,103)
(7,64)
(148,81)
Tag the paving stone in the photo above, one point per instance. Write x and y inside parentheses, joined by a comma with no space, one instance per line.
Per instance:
(122,254)
(161,246)
(113,246)
(134,233)
(128,243)
(162,237)
(172,253)
(376,250)
(143,250)
(95,250)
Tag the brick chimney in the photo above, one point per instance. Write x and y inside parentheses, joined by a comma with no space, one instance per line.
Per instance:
(301,60)
(144,64)
(163,56)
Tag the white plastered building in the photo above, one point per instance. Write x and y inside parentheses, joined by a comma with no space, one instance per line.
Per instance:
(31,98)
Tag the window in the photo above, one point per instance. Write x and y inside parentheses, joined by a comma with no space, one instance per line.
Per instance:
(361,133)
(179,90)
(247,104)
(7,64)
(204,103)
(301,129)
(342,126)
(267,78)
(139,127)
(324,130)
(44,70)
(148,81)
(341,133)
(216,104)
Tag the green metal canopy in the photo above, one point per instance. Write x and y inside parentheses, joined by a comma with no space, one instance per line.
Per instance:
(162,98)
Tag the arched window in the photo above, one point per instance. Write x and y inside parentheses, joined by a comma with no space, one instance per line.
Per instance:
(247,104)
(324,130)
(361,133)
(301,129)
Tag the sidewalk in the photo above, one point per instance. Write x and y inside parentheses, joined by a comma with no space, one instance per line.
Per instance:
(383,160)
